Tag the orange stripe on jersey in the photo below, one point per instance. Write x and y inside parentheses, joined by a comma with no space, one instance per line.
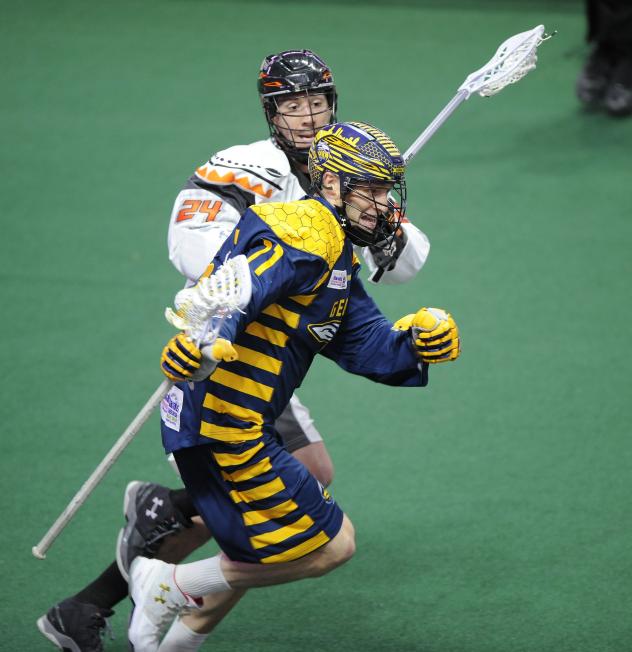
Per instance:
(210,174)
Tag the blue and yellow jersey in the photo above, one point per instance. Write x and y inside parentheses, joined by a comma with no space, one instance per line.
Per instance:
(260,503)
(307,299)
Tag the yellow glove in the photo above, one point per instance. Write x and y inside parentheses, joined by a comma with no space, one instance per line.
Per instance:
(182,360)
(404,323)
(435,334)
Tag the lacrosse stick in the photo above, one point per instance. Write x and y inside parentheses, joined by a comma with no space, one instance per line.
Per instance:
(200,311)
(515,57)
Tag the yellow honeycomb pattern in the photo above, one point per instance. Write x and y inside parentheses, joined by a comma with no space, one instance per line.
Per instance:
(306,225)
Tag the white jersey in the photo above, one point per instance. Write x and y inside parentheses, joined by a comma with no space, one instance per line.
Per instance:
(217,194)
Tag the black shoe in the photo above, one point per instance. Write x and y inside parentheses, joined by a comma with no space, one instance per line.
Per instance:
(151,516)
(595,76)
(618,99)
(75,626)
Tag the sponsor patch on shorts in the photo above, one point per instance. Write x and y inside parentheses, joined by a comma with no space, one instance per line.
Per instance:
(338,279)
(170,408)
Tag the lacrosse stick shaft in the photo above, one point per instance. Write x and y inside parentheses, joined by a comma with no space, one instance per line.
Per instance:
(516,54)
(434,126)
(421,140)
(89,485)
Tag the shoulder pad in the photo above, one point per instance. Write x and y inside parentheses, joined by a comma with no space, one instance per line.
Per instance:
(263,156)
(306,225)
(257,168)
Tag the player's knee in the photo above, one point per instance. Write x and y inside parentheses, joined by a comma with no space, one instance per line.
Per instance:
(338,551)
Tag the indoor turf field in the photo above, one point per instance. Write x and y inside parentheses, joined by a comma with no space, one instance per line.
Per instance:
(493,509)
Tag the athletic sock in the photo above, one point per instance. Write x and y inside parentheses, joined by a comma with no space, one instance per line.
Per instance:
(199,578)
(107,590)
(181,638)
(182,501)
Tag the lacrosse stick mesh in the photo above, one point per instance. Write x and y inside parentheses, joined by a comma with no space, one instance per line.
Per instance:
(201,309)
(516,57)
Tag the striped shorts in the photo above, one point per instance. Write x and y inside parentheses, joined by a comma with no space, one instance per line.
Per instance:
(261,507)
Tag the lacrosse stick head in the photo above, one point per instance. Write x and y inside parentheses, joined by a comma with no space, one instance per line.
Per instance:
(201,309)
(515,57)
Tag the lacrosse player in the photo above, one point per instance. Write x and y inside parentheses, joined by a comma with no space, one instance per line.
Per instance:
(299,97)
(273,520)
(606,78)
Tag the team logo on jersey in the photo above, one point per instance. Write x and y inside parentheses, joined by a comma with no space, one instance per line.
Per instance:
(326,495)
(324,333)
(338,279)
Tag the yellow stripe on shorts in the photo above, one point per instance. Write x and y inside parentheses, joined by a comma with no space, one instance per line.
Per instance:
(237,459)
(262,515)
(261,467)
(258,493)
(276,536)
(298,551)
(224,433)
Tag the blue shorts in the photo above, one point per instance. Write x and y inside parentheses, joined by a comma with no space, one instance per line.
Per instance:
(259,502)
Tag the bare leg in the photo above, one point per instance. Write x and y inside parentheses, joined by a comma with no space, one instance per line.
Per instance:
(215,607)
(316,458)
(241,576)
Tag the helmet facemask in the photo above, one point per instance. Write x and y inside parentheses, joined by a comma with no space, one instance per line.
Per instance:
(370,170)
(314,109)
(381,218)
(302,75)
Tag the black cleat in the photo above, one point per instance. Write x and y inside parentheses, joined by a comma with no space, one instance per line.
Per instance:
(594,78)
(75,626)
(151,516)
(618,98)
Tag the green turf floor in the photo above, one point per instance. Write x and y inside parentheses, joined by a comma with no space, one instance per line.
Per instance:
(493,509)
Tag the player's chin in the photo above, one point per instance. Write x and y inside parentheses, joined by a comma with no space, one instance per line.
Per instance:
(303,143)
